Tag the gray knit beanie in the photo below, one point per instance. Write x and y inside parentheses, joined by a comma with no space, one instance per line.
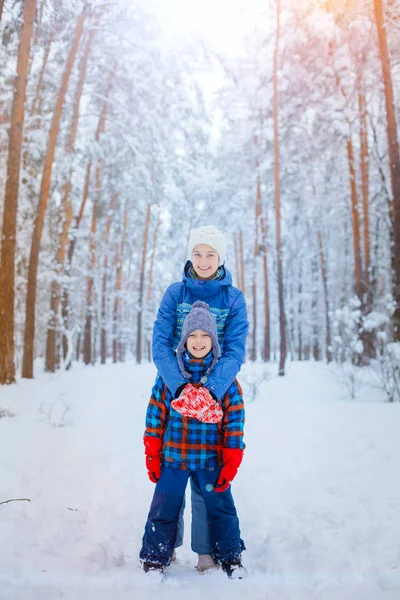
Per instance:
(200,317)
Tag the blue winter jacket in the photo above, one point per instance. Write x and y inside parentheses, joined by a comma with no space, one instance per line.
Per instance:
(228,306)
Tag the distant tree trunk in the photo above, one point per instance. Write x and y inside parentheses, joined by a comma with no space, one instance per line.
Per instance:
(141,288)
(300,316)
(152,259)
(326,299)
(88,354)
(364,160)
(253,351)
(29,338)
(119,254)
(367,337)
(282,317)
(394,154)
(110,213)
(65,299)
(39,87)
(7,263)
(314,314)
(65,220)
(243,288)
(267,323)
(1,10)
(237,264)
(355,218)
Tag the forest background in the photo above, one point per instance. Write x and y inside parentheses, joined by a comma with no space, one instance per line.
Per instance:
(125,124)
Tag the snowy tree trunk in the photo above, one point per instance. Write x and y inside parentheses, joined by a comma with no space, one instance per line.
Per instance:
(141,287)
(394,153)
(36,101)
(241,261)
(118,349)
(355,217)
(65,299)
(152,259)
(282,317)
(8,243)
(328,340)
(29,338)
(103,350)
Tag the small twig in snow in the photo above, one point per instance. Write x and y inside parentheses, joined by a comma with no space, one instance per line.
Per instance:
(16,500)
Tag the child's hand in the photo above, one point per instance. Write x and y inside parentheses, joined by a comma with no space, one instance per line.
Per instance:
(152,449)
(197,403)
(232,457)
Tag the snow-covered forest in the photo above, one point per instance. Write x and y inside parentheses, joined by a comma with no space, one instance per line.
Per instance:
(124,124)
(118,136)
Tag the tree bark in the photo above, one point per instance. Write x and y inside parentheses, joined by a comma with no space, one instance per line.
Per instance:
(29,338)
(394,154)
(355,218)
(2,6)
(8,244)
(282,316)
(141,288)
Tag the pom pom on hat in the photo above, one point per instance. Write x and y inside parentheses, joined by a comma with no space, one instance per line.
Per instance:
(211,236)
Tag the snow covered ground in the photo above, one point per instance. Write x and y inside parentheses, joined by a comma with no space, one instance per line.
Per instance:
(318,494)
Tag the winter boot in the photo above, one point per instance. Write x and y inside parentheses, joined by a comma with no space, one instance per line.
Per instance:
(148,567)
(205,562)
(234,569)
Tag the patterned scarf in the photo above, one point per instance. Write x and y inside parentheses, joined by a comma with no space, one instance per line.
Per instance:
(193,275)
(197,367)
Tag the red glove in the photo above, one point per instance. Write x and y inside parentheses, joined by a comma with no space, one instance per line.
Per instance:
(152,450)
(232,457)
(197,403)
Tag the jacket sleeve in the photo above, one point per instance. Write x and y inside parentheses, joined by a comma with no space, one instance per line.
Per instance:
(157,410)
(163,343)
(234,348)
(234,417)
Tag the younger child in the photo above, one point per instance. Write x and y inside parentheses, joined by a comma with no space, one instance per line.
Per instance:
(201,447)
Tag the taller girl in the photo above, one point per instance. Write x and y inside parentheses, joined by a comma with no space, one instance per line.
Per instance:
(206,278)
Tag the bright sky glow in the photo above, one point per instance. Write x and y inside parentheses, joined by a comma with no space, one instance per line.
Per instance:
(218,22)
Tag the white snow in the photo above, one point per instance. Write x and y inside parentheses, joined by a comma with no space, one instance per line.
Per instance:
(318,493)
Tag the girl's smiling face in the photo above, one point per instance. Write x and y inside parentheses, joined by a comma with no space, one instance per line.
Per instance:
(205,261)
(199,343)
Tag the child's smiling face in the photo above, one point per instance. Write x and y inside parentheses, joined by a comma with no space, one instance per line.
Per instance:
(199,343)
(205,261)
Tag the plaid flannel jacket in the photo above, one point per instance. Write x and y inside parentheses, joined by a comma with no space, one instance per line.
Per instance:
(189,443)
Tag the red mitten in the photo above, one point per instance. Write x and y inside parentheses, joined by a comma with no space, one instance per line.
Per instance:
(232,457)
(197,403)
(152,450)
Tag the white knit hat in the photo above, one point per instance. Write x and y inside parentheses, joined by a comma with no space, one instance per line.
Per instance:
(211,236)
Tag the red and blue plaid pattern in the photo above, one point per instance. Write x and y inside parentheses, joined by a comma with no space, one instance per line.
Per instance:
(188,443)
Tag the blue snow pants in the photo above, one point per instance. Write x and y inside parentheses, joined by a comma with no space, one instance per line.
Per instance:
(161,527)
(201,542)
